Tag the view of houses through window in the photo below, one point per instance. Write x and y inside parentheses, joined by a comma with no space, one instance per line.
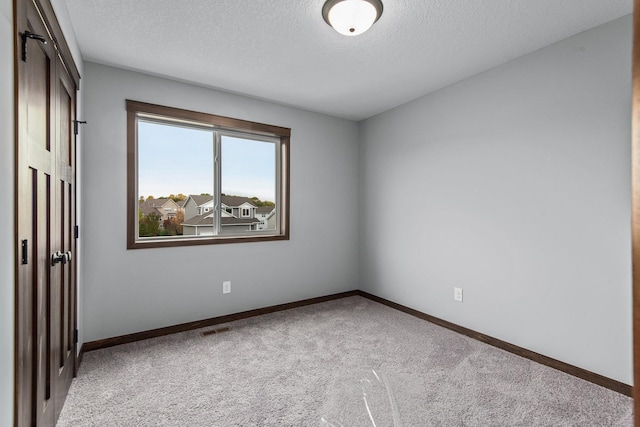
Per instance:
(178,165)
(194,215)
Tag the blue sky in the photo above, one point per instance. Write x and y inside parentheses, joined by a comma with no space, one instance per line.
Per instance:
(173,159)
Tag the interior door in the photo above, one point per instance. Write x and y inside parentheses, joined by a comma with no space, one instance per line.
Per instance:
(46,271)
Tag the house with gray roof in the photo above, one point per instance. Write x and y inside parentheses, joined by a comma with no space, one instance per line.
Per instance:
(164,209)
(237,214)
(196,205)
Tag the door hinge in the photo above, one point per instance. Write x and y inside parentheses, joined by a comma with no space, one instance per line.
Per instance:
(75,336)
(76,231)
(25,252)
(75,125)
(26,36)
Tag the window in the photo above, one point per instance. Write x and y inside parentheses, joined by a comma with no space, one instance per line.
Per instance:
(217,169)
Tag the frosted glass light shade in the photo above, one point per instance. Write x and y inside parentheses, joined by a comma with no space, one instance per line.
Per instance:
(351,17)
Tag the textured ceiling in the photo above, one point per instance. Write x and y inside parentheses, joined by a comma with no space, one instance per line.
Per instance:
(283,51)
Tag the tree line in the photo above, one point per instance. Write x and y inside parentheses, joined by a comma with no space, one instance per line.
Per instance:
(181,197)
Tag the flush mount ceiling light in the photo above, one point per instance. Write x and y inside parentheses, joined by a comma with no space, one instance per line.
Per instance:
(351,17)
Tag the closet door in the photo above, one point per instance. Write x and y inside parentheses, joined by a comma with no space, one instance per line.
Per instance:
(45,287)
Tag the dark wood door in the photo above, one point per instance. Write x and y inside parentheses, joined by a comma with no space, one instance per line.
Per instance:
(46,271)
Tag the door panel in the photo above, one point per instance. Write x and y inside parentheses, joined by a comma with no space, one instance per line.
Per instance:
(65,208)
(38,76)
(39,164)
(42,286)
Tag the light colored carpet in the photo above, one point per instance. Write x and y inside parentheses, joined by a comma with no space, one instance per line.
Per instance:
(349,362)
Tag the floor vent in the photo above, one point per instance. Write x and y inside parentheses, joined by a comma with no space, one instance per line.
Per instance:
(215,331)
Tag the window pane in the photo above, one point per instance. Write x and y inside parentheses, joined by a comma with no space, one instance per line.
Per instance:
(173,163)
(248,185)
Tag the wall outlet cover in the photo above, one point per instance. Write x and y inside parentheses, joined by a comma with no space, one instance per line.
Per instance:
(457,294)
(226,287)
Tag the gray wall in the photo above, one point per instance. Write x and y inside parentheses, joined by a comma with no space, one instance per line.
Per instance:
(518,185)
(7,253)
(127,291)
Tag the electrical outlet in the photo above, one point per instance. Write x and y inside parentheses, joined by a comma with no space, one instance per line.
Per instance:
(226,287)
(457,294)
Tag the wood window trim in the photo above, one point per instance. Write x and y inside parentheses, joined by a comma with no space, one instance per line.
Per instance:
(134,108)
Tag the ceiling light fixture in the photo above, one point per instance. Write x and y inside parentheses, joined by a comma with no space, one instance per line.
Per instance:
(351,17)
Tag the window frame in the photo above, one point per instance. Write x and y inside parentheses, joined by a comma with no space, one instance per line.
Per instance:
(220,123)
